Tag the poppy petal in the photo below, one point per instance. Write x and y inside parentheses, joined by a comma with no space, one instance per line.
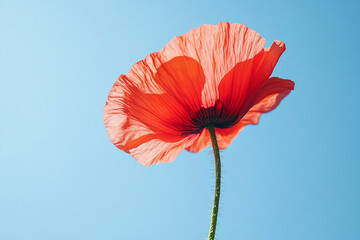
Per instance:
(145,107)
(202,141)
(238,87)
(169,113)
(268,98)
(268,61)
(217,49)
(120,128)
(156,151)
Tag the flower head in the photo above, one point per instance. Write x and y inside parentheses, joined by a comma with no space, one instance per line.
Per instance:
(212,75)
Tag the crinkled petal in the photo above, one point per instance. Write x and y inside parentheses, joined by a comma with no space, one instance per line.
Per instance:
(267,99)
(120,128)
(168,114)
(267,63)
(202,141)
(238,88)
(156,151)
(218,49)
(145,106)
(271,93)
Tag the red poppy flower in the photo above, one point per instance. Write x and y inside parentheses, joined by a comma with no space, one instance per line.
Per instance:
(212,75)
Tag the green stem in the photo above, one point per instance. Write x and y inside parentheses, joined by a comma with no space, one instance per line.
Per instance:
(217,182)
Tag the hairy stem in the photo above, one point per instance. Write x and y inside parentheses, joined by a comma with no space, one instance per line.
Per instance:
(217,182)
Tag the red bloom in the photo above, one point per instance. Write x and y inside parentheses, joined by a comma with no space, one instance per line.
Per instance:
(217,75)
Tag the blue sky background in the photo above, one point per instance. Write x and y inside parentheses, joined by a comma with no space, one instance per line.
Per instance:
(294,176)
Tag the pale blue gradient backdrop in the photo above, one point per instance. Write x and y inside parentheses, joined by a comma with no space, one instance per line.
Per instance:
(294,176)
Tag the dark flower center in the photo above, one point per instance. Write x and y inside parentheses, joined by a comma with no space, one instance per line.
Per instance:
(218,116)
